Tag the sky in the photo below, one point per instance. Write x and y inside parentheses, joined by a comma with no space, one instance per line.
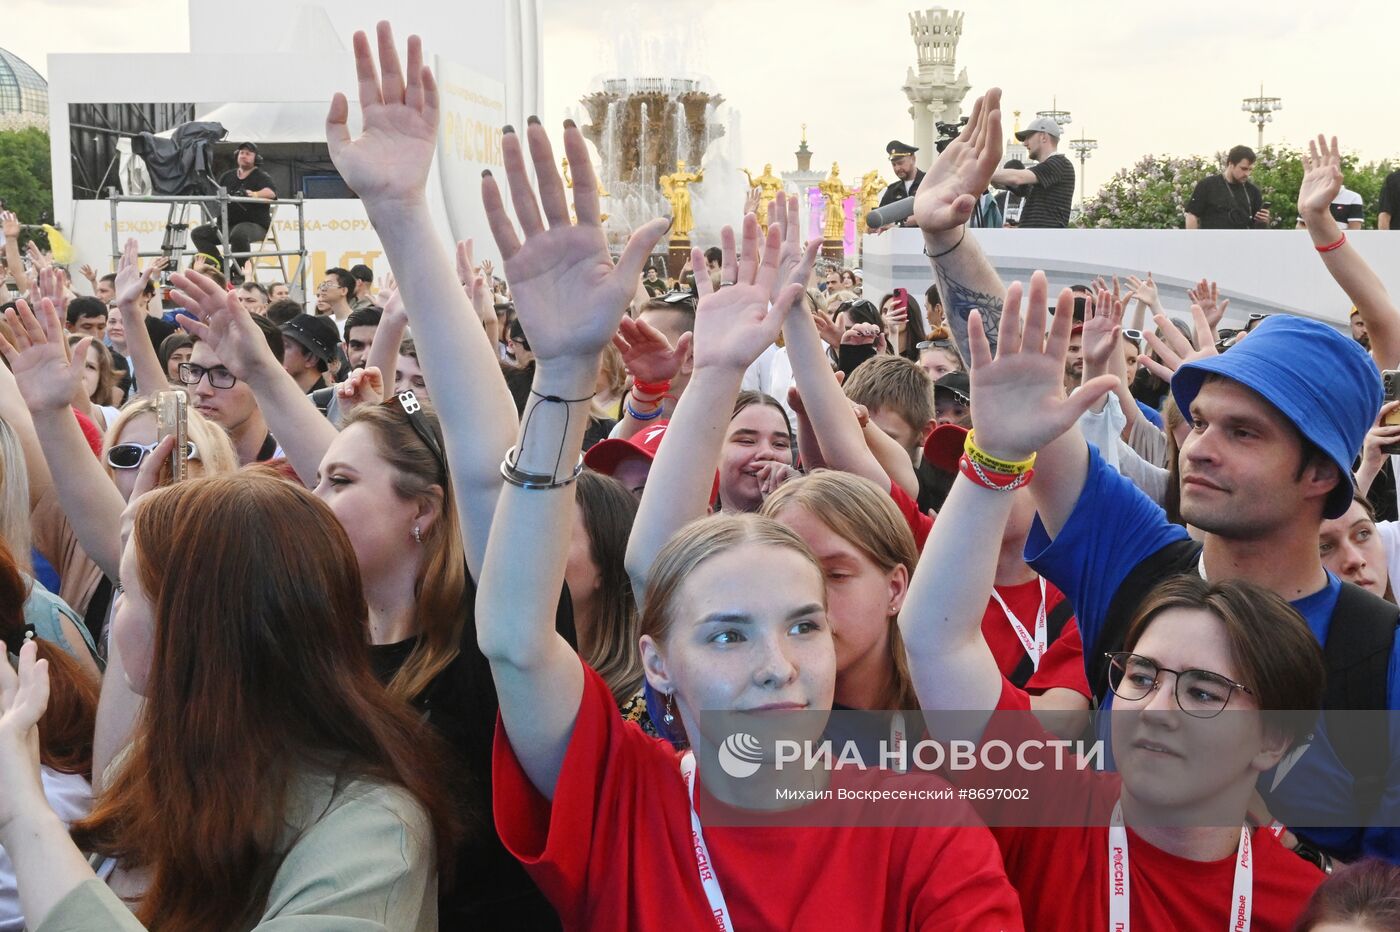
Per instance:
(1139,78)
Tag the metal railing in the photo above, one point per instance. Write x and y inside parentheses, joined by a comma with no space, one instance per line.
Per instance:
(222,199)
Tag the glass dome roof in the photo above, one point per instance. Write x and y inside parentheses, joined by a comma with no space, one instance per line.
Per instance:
(22,90)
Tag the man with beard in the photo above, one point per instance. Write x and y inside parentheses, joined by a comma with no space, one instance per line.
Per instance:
(906,171)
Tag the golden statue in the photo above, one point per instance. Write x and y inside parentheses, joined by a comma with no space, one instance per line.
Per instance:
(769,187)
(569,183)
(835,192)
(872,188)
(675,187)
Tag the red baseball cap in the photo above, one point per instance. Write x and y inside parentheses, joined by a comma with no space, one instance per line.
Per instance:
(944,447)
(606,455)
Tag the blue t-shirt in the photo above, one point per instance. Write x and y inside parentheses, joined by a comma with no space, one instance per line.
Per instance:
(1152,414)
(1112,529)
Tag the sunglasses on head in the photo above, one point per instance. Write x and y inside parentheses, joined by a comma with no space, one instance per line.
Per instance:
(934,344)
(1134,335)
(131,455)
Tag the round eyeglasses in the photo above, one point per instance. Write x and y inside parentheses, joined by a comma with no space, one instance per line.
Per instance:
(1199,693)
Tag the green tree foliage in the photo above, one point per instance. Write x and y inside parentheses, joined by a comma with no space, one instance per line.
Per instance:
(1153,193)
(26,183)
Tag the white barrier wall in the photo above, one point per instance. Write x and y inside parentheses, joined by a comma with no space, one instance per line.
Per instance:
(1260,271)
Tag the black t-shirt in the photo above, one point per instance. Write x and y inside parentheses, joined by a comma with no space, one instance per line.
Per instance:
(257,180)
(490,890)
(1049,200)
(1390,199)
(1219,205)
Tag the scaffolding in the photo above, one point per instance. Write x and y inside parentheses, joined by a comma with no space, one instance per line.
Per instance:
(177,228)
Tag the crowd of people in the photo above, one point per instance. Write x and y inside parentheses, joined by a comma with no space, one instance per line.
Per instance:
(428,634)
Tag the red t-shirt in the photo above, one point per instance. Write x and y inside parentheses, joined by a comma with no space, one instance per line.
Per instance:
(1063,663)
(613,850)
(920,523)
(1062,872)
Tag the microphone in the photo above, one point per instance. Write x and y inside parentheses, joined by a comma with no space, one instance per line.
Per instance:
(890,213)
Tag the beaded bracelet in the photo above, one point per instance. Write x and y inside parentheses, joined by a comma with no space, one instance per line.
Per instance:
(978,455)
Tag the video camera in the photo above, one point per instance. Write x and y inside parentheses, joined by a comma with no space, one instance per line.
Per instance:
(947,132)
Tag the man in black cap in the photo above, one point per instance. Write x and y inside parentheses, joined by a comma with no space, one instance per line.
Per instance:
(952,400)
(902,164)
(309,349)
(247,223)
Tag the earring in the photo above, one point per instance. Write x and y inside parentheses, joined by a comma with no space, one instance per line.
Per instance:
(669,716)
(418,534)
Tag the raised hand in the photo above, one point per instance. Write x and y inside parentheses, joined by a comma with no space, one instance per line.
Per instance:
(568,294)
(647,354)
(735,324)
(24,696)
(223,323)
(10,224)
(89,273)
(1144,289)
(37,350)
(47,285)
(37,259)
(1103,328)
(364,387)
(477,285)
(1019,403)
(389,161)
(1207,295)
(131,282)
(1174,349)
(1322,176)
(958,177)
(794,262)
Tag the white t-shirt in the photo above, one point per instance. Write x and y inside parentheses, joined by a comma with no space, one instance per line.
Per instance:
(70,796)
(1390,536)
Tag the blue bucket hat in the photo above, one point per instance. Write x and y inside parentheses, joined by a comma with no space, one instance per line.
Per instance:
(1323,382)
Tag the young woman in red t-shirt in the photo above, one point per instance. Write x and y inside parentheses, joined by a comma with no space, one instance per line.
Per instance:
(1171,852)
(603,817)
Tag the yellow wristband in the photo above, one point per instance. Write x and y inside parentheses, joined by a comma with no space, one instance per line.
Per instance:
(980,457)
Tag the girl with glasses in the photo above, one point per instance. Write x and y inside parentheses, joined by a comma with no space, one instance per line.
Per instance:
(1166,842)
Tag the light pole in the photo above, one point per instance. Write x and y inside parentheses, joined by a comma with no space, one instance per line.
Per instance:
(1261,110)
(1061,117)
(1083,148)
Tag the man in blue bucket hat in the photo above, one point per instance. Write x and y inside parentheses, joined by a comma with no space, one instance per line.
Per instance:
(1276,422)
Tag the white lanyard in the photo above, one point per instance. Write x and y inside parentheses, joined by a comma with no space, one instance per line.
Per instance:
(1036,646)
(897,739)
(718,909)
(1241,907)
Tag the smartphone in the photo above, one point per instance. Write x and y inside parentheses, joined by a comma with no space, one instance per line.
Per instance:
(172,419)
(901,298)
(1391,379)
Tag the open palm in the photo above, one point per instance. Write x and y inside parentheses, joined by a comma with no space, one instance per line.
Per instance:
(224,323)
(1018,397)
(957,178)
(1102,330)
(131,281)
(37,353)
(390,158)
(735,324)
(1322,176)
(568,294)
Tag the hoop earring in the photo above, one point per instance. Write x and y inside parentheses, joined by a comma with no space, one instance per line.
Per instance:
(418,534)
(669,716)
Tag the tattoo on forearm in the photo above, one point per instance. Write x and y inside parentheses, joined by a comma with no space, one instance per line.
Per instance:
(958,302)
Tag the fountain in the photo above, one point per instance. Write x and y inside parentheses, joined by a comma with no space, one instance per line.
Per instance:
(641,127)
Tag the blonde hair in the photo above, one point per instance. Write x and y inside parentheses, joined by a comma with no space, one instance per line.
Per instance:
(14,498)
(857,511)
(697,542)
(216,455)
(895,383)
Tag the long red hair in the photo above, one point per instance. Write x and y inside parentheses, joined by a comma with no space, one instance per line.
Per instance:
(65,732)
(260,671)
